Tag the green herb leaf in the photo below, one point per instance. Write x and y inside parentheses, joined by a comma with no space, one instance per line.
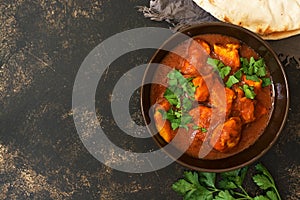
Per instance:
(252,78)
(173,82)
(219,67)
(188,103)
(215,63)
(272,195)
(231,81)
(171,97)
(208,179)
(227,184)
(244,65)
(192,177)
(182,186)
(259,167)
(224,195)
(249,92)
(262,181)
(202,186)
(261,197)
(224,71)
(190,187)
(243,173)
(175,124)
(238,74)
(261,72)
(202,129)
(266,82)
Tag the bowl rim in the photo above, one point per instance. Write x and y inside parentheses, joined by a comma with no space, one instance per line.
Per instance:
(282,72)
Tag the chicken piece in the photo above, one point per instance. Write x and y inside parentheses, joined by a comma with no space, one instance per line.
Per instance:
(246,108)
(201,116)
(235,111)
(227,135)
(163,126)
(255,84)
(230,96)
(203,44)
(239,92)
(198,52)
(217,98)
(229,55)
(201,93)
(189,69)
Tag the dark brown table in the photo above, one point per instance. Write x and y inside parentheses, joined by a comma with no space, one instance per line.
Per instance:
(42,45)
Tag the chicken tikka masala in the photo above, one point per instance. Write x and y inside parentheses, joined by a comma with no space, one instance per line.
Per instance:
(210,75)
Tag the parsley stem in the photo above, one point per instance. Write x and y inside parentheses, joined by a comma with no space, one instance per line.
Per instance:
(244,191)
(277,193)
(243,196)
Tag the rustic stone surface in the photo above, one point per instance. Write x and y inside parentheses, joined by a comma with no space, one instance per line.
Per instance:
(42,44)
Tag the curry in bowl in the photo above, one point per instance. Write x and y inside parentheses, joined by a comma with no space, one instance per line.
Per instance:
(217,93)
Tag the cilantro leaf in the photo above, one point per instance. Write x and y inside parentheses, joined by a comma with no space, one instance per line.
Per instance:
(224,195)
(238,74)
(171,97)
(182,186)
(219,67)
(249,91)
(190,187)
(215,63)
(208,179)
(192,177)
(261,72)
(252,78)
(259,167)
(261,197)
(175,123)
(244,65)
(266,82)
(272,195)
(202,129)
(231,81)
(188,103)
(243,173)
(262,181)
(224,71)
(208,186)
(226,184)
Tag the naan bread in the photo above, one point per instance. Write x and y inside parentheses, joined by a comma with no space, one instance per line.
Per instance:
(271,19)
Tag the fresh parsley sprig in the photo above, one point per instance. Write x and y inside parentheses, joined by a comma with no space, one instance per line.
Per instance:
(225,186)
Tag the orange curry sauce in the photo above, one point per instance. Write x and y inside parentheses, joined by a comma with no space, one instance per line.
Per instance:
(242,121)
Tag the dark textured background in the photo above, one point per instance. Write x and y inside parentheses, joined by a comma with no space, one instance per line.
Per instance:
(42,44)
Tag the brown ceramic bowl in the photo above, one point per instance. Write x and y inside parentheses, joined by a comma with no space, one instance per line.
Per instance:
(280,102)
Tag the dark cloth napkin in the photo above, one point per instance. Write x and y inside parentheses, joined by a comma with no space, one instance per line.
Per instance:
(183,13)
(179,13)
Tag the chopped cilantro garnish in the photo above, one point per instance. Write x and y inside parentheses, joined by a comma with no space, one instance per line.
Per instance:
(202,129)
(231,81)
(252,78)
(266,82)
(249,91)
(180,94)
(238,74)
(171,97)
(219,67)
